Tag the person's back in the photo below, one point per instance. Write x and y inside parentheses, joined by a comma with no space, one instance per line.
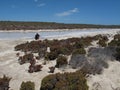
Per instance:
(37,36)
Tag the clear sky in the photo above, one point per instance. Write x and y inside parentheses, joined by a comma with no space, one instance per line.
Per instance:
(63,11)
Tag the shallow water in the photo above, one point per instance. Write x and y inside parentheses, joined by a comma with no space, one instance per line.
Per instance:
(55,34)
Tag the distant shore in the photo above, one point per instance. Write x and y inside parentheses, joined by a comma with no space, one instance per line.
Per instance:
(17,25)
(50,30)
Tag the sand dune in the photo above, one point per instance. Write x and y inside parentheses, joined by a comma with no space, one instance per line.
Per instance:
(9,66)
(108,80)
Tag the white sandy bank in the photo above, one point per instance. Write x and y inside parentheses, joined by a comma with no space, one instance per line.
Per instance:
(9,65)
(108,80)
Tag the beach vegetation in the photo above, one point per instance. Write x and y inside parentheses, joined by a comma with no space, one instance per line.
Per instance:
(65,81)
(79,51)
(61,61)
(103,41)
(4,83)
(27,86)
(19,25)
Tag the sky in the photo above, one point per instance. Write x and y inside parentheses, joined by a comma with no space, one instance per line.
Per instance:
(62,11)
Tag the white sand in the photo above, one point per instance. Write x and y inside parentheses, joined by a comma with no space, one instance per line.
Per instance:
(110,77)
(109,80)
(9,66)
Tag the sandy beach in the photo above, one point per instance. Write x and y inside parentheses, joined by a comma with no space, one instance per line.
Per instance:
(108,80)
(9,66)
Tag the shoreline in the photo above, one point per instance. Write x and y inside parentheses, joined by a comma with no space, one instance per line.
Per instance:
(55,34)
(55,30)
